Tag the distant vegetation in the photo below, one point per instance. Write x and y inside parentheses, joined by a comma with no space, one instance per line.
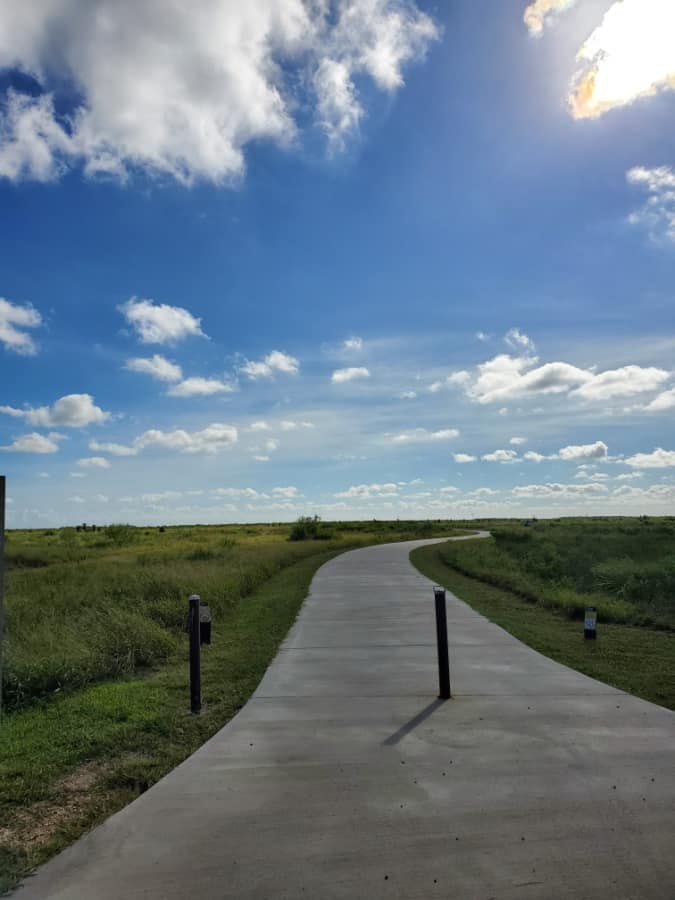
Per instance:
(624,567)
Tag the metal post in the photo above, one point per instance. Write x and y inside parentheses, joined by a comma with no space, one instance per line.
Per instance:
(195,666)
(2,576)
(442,642)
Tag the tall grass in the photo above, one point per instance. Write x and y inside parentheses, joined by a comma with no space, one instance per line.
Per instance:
(625,568)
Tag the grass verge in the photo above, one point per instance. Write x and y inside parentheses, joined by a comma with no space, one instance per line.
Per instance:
(68,763)
(635,659)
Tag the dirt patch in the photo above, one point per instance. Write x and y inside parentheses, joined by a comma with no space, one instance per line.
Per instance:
(74,799)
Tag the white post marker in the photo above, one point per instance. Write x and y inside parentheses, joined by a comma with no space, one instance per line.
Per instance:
(590,623)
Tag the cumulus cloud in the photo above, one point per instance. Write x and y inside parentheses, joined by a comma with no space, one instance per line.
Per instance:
(158,323)
(289,425)
(663,402)
(274,362)
(212,439)
(93,462)
(463,458)
(623,382)
(657,459)
(517,441)
(352,373)
(407,395)
(353,343)
(533,456)
(501,456)
(34,443)
(71,411)
(263,426)
(156,366)
(537,13)
(657,214)
(200,387)
(598,450)
(507,377)
(215,75)
(368,491)
(14,319)
(631,54)
(421,435)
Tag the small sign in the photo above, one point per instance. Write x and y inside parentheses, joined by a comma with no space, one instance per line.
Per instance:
(590,623)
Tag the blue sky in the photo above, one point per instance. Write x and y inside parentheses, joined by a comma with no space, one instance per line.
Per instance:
(382,258)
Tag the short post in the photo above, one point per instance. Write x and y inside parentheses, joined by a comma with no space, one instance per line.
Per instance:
(590,623)
(442,642)
(195,664)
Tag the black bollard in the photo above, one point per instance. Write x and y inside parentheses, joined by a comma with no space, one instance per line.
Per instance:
(442,642)
(195,663)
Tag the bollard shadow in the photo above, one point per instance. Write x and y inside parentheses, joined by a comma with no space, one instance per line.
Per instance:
(429,710)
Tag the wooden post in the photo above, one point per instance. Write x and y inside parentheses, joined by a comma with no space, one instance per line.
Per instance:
(2,576)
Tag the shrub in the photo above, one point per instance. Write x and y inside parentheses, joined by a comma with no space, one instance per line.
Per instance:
(121,535)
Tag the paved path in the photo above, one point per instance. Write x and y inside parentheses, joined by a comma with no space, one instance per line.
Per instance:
(342,778)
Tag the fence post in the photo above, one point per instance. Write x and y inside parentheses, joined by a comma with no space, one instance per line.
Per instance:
(442,643)
(2,577)
(195,663)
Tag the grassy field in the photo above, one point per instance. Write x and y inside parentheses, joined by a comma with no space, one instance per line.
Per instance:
(95,675)
(623,567)
(540,607)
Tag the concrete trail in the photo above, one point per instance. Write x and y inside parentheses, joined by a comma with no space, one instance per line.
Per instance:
(343,777)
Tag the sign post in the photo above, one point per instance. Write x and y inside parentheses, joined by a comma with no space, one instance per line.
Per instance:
(590,623)
(195,662)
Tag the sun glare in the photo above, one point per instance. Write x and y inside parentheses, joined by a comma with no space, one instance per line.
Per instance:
(630,55)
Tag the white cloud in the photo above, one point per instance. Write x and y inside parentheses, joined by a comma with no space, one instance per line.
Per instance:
(263,426)
(657,214)
(537,13)
(658,459)
(93,462)
(421,435)
(200,387)
(598,450)
(629,476)
(261,457)
(71,411)
(517,441)
(216,75)
(340,376)
(156,366)
(353,343)
(34,443)
(14,319)
(631,54)
(554,491)
(501,456)
(212,439)
(367,491)
(287,492)
(518,340)
(271,444)
(508,377)
(463,458)
(482,336)
(158,323)
(533,456)
(236,492)
(274,362)
(407,395)
(113,449)
(623,382)
(585,475)
(663,402)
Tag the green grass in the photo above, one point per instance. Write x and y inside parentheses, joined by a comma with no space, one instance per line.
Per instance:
(625,568)
(639,660)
